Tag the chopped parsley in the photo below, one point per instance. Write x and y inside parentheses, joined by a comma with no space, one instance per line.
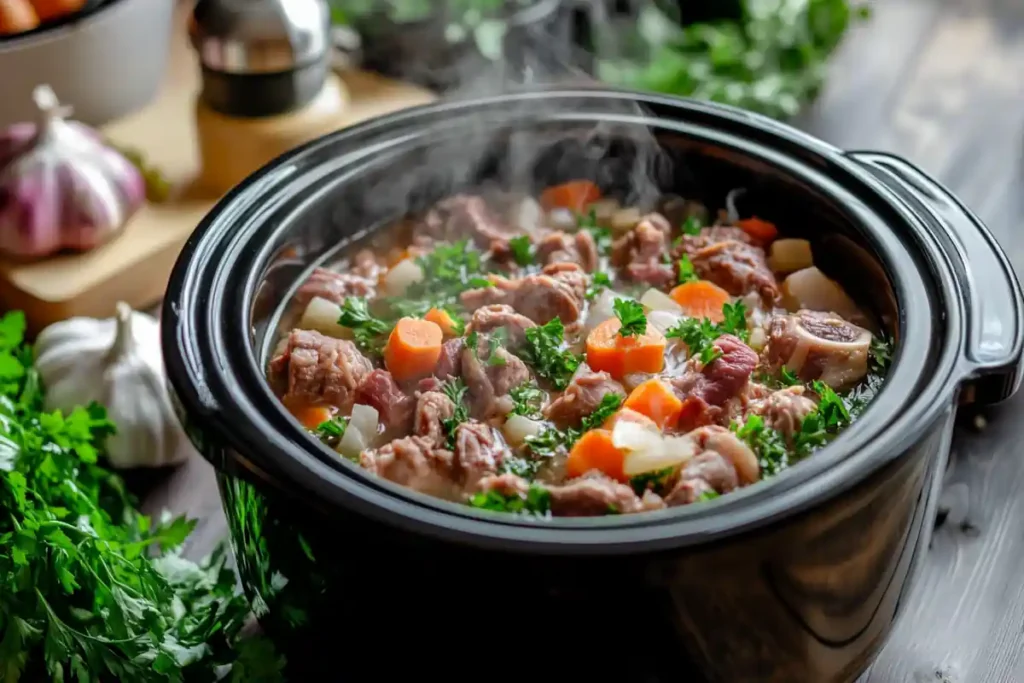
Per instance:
(708,495)
(768,444)
(880,355)
(455,390)
(536,501)
(544,352)
(495,340)
(368,331)
(788,377)
(521,250)
(699,334)
(332,430)
(602,236)
(686,270)
(825,421)
(448,270)
(692,226)
(631,315)
(528,399)
(598,283)
(655,481)
(552,440)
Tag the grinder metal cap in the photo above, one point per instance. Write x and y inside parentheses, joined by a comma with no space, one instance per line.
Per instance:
(261,57)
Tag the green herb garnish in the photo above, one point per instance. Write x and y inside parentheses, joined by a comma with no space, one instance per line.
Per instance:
(552,440)
(448,270)
(521,250)
(687,273)
(767,443)
(368,331)
(544,351)
(333,429)
(881,355)
(708,495)
(598,283)
(655,481)
(699,334)
(455,389)
(819,426)
(631,315)
(602,236)
(536,501)
(691,226)
(528,399)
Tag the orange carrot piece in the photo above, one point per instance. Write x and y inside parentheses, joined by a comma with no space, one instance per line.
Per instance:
(17,16)
(655,399)
(619,356)
(627,415)
(761,230)
(596,451)
(575,196)
(701,299)
(309,415)
(413,349)
(442,319)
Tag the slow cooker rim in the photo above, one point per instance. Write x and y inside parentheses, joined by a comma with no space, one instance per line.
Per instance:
(633,523)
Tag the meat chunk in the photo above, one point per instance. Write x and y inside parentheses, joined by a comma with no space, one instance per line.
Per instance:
(591,495)
(321,369)
(432,409)
(705,390)
(561,247)
(784,410)
(380,391)
(639,254)
(365,265)
(450,363)
(817,345)
(490,380)
(335,287)
(582,397)
(467,216)
(723,464)
(416,462)
(478,452)
(726,257)
(559,291)
(490,318)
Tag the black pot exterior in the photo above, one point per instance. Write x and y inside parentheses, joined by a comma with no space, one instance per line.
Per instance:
(796,579)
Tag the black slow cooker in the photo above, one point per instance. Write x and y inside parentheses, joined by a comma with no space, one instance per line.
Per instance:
(799,578)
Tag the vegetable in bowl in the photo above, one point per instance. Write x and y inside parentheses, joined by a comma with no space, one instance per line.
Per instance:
(528,369)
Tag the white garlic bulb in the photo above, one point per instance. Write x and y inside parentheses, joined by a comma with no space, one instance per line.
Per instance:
(117,363)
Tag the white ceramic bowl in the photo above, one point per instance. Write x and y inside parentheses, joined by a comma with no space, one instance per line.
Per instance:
(106,64)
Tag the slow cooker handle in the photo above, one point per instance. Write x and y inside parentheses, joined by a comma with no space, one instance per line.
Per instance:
(992,292)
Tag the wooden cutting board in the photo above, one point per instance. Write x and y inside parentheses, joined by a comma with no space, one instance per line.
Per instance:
(136,265)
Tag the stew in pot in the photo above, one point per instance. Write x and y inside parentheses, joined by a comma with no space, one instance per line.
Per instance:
(565,355)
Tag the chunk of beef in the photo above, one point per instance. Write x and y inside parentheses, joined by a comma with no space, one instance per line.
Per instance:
(335,287)
(591,495)
(380,391)
(490,318)
(705,390)
(478,452)
(727,257)
(817,345)
(582,397)
(467,216)
(784,410)
(416,462)
(723,464)
(640,253)
(450,363)
(321,369)
(559,291)
(432,409)
(490,380)
(561,247)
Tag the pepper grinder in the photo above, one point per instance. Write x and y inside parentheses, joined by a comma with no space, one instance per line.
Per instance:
(267,85)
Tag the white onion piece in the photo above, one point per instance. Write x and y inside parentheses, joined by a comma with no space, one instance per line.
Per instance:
(657,300)
(730,204)
(322,316)
(810,289)
(758,338)
(624,220)
(352,444)
(518,427)
(526,214)
(364,419)
(663,321)
(789,255)
(563,219)
(403,275)
(603,308)
(647,450)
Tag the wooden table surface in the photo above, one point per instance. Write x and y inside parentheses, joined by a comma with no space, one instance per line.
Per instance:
(940,82)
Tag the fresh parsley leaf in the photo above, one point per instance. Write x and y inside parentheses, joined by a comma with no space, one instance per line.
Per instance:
(521,250)
(699,335)
(368,331)
(553,440)
(708,495)
(455,389)
(528,399)
(536,501)
(609,404)
(498,339)
(735,322)
(692,226)
(602,236)
(598,283)
(631,315)
(686,271)
(767,443)
(709,354)
(881,355)
(787,377)
(821,424)
(448,270)
(544,351)
(333,429)
(655,481)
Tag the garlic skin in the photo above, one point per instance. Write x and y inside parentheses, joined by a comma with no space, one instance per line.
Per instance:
(61,186)
(117,363)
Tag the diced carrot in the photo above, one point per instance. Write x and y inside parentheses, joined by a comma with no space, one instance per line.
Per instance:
(413,349)
(655,399)
(309,415)
(575,195)
(701,299)
(619,356)
(759,229)
(627,415)
(48,10)
(17,16)
(596,451)
(442,319)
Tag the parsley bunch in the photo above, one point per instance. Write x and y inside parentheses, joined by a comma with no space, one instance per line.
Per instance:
(82,593)
(544,351)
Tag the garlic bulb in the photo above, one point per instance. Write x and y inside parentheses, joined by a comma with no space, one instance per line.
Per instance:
(61,187)
(118,364)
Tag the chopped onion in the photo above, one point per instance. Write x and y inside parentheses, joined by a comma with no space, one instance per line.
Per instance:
(518,427)
(811,289)
(404,274)
(647,450)
(624,220)
(563,219)
(730,204)
(322,316)
(788,255)
(663,321)
(656,300)
(364,419)
(602,308)
(352,444)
